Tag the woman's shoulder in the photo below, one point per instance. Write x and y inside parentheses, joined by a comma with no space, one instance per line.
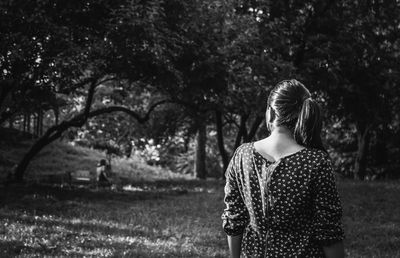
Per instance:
(317,158)
(316,154)
(245,149)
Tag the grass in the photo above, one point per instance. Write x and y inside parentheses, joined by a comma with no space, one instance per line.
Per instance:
(162,215)
(371,218)
(168,219)
(161,222)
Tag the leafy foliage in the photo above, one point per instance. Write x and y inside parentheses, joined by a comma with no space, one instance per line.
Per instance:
(206,63)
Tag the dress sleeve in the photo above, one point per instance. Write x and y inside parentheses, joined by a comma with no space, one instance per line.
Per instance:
(235,216)
(327,223)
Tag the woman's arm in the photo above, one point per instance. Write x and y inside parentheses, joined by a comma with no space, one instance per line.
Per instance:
(334,251)
(235,216)
(327,223)
(234,243)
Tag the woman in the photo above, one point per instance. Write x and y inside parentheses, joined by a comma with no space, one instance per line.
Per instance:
(280,193)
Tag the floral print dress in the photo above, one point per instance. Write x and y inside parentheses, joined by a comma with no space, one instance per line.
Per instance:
(287,208)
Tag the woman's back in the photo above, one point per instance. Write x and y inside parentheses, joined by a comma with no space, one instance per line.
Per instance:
(280,192)
(280,207)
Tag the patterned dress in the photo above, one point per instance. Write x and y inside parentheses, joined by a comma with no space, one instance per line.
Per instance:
(286,208)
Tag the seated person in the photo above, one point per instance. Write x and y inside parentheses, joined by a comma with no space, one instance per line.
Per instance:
(101,173)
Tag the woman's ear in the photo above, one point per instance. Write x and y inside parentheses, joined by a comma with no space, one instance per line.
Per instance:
(269,118)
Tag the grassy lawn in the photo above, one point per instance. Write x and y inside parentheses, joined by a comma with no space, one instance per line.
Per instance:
(168,219)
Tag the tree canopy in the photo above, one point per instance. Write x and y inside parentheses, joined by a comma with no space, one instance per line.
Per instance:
(195,70)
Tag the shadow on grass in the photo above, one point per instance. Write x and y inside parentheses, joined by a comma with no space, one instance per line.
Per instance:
(55,200)
(10,194)
(141,191)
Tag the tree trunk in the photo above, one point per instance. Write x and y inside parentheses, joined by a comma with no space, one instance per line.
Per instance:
(200,158)
(254,127)
(381,152)
(28,123)
(41,124)
(360,166)
(5,96)
(21,123)
(24,124)
(33,151)
(36,124)
(242,133)
(56,115)
(220,139)
(11,123)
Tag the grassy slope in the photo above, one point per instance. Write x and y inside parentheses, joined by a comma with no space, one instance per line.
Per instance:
(60,157)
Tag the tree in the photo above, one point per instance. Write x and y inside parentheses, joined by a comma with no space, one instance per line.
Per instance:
(356,62)
(222,68)
(344,49)
(95,54)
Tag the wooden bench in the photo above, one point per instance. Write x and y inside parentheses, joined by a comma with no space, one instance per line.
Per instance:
(81,177)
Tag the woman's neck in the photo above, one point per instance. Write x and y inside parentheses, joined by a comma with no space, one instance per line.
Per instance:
(278,144)
(280,134)
(281,141)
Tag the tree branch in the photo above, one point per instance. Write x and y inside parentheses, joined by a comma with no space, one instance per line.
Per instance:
(141,119)
(253,130)
(76,86)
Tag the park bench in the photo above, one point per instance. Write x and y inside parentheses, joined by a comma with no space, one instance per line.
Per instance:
(81,177)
